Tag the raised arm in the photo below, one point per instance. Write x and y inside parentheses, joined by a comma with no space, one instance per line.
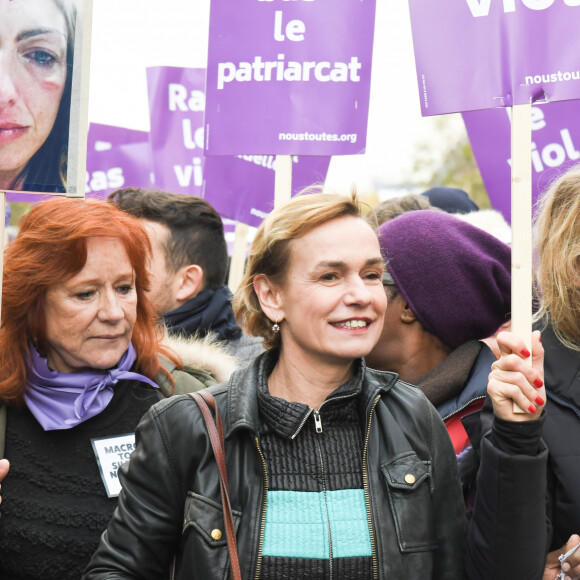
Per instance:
(508,534)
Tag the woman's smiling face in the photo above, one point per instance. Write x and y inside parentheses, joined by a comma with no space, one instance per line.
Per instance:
(332,296)
(33,72)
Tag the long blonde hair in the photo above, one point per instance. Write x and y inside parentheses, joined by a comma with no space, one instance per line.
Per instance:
(558,257)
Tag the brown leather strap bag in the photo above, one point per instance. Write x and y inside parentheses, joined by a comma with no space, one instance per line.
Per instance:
(205,400)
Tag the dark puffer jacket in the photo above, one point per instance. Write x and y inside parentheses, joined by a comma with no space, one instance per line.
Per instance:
(561,434)
(171,494)
(555,470)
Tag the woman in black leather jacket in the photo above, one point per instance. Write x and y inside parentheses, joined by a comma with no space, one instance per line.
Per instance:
(335,470)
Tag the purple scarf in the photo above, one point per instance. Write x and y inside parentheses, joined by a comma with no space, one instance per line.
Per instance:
(63,400)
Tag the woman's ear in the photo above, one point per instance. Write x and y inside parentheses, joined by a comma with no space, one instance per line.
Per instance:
(270,297)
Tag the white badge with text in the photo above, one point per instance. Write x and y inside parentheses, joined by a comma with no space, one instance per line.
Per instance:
(111,453)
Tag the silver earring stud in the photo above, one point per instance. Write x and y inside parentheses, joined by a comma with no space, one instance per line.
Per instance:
(276,326)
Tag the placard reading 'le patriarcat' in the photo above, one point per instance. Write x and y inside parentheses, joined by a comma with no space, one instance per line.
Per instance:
(288,77)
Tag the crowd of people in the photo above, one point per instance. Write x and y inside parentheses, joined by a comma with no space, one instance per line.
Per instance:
(364,371)
(366,392)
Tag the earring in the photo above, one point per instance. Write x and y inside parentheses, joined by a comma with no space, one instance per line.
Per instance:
(276,326)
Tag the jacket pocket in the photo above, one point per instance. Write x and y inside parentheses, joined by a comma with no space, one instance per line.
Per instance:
(204,537)
(408,483)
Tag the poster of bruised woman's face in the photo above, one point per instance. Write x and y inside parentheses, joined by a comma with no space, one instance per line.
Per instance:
(36,70)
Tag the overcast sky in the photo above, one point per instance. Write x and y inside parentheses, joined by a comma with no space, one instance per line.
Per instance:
(130,35)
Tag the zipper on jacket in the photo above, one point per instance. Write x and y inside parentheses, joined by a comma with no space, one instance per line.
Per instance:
(367,494)
(318,422)
(324,490)
(264,504)
(302,423)
(563,403)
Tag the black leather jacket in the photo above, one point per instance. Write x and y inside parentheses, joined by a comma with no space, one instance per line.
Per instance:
(171,495)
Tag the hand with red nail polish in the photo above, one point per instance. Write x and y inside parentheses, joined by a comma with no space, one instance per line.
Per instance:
(517,377)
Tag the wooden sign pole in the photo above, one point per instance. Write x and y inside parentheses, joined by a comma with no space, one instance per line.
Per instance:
(283,180)
(238,260)
(77,141)
(521,209)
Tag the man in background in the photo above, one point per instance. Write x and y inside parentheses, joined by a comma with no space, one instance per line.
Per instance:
(188,267)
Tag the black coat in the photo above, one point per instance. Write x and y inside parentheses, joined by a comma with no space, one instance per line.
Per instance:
(527,505)
(171,495)
(562,436)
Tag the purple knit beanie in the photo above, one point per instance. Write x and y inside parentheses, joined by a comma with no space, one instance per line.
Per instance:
(455,277)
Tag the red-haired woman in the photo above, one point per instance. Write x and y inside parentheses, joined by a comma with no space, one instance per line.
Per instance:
(80,363)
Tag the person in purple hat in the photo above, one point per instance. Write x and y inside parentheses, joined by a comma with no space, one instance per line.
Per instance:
(448,286)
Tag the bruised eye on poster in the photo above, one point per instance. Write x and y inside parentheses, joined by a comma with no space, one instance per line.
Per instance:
(37,39)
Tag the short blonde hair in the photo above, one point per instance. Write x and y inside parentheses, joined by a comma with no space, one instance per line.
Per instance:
(558,257)
(270,251)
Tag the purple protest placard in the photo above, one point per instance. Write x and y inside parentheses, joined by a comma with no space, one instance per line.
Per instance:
(176,108)
(482,54)
(288,77)
(555,146)
(242,187)
(102,137)
(116,158)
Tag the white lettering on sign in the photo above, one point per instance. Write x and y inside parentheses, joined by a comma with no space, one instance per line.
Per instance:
(481,7)
(182,100)
(101,180)
(295,29)
(552,77)
(111,453)
(280,70)
(185,173)
(538,121)
(552,154)
(267,161)
(191,140)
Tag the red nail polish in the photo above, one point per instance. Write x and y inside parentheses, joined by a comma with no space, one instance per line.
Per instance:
(525,352)
(532,409)
(538,383)
(539,401)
